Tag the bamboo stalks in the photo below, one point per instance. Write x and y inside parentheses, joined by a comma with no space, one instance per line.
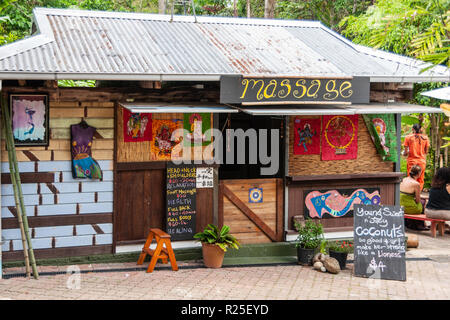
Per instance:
(18,195)
(19,211)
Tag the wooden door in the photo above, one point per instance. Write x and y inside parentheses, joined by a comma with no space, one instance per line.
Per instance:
(252,221)
(140,204)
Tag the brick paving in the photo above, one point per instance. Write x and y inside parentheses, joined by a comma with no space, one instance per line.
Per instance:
(428,277)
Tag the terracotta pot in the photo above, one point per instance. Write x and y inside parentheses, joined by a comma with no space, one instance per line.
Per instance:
(212,255)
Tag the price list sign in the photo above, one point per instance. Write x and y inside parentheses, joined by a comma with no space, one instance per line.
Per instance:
(379,242)
(181,205)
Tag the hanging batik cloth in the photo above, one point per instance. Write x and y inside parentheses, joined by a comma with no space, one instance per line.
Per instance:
(383,133)
(83,165)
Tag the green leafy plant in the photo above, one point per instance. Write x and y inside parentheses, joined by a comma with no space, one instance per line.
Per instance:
(310,235)
(222,238)
(340,246)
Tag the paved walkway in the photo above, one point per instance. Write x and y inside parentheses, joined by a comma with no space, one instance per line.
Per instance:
(428,277)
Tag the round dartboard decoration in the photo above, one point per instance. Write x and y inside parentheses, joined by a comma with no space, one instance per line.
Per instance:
(340,137)
(255,195)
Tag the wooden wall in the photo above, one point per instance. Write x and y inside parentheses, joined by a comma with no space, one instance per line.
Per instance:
(67,216)
(367,160)
(252,222)
(141,151)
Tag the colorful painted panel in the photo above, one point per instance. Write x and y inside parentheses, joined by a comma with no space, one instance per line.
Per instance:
(197,125)
(337,203)
(340,137)
(137,127)
(163,141)
(307,136)
(29,114)
(382,130)
(255,195)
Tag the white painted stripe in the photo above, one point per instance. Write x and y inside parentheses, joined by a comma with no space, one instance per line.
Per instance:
(56,209)
(40,243)
(101,207)
(97,186)
(48,232)
(67,177)
(73,241)
(25,166)
(27,188)
(28,200)
(103,239)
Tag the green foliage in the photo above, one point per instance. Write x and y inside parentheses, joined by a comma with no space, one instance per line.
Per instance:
(310,236)
(418,28)
(76,83)
(328,12)
(340,246)
(222,238)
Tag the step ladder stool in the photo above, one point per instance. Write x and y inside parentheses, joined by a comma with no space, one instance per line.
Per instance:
(160,252)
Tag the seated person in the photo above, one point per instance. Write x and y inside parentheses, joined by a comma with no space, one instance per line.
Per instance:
(438,206)
(410,197)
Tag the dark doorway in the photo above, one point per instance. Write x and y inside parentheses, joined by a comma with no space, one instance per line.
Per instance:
(251,170)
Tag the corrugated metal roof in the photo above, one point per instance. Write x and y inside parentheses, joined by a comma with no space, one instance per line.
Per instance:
(441,93)
(77,44)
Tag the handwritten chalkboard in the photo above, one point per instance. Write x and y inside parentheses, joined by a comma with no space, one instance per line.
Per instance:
(181,204)
(379,242)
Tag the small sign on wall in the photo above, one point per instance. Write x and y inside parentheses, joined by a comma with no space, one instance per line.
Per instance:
(205,177)
(255,195)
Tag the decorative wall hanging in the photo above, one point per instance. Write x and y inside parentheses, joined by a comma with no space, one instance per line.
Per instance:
(383,133)
(83,165)
(306,136)
(163,142)
(337,203)
(255,195)
(137,127)
(197,124)
(340,137)
(29,114)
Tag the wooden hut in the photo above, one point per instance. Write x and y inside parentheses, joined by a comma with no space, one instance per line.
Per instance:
(155,75)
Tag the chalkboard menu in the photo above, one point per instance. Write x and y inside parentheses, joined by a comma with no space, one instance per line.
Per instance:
(181,204)
(379,242)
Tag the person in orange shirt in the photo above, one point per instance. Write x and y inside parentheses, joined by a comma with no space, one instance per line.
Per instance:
(416,149)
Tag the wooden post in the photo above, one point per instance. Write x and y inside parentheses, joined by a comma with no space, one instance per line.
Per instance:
(15,179)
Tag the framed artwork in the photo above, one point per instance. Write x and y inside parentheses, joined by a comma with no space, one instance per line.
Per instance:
(30,119)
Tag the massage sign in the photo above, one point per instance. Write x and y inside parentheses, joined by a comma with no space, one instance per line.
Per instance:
(181,201)
(379,242)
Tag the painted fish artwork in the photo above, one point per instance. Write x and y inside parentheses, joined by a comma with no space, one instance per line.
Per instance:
(29,119)
(338,203)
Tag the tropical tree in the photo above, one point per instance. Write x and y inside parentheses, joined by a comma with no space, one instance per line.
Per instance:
(415,28)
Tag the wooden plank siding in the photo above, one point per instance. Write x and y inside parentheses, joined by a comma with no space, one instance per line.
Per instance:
(67,216)
(308,172)
(252,222)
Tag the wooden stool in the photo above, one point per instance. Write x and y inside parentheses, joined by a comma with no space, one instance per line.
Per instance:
(159,253)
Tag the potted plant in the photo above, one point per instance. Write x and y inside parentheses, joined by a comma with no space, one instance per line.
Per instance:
(340,250)
(309,238)
(215,243)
